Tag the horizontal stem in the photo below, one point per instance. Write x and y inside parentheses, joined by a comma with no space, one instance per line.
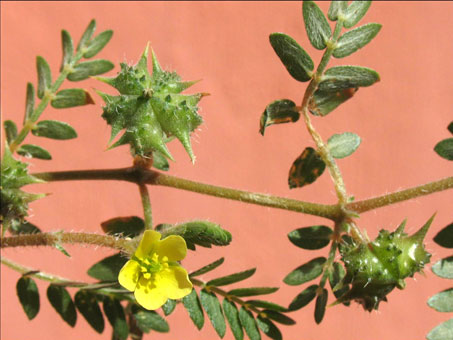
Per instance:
(399,196)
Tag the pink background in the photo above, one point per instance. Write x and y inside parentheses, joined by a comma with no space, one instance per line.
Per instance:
(226,45)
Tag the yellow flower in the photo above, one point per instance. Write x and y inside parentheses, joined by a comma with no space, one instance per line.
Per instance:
(153,273)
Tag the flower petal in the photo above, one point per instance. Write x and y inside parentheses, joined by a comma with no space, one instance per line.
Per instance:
(173,282)
(148,296)
(129,275)
(174,247)
(147,244)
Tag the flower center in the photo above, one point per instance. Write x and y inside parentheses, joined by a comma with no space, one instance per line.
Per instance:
(151,265)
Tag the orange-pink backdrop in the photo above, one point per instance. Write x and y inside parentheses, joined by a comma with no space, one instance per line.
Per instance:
(226,45)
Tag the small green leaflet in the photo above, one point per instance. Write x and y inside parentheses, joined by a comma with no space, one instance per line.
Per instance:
(335,7)
(28,295)
(87,34)
(252,291)
(444,268)
(445,149)
(208,268)
(324,102)
(54,129)
(71,98)
(267,305)
(296,60)
(24,227)
(108,268)
(34,151)
(443,301)
(306,272)
(88,306)
(68,48)
(320,307)
(355,12)
(444,238)
(114,312)
(336,276)
(211,305)
(29,102)
(343,145)
(345,77)
(305,169)
(44,76)
(314,237)
(193,307)
(169,307)
(10,130)
(232,316)
(278,112)
(316,25)
(129,226)
(97,44)
(149,320)
(303,298)
(355,39)
(232,278)
(443,331)
(279,317)
(61,300)
(450,127)
(88,69)
(249,324)
(268,328)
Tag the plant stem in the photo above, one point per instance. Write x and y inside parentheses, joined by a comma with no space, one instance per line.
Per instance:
(146,203)
(322,149)
(51,239)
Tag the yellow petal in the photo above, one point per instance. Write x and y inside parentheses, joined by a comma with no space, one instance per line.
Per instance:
(148,296)
(129,275)
(173,282)
(174,247)
(147,244)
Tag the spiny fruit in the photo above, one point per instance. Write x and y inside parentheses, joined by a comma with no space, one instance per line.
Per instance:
(150,108)
(374,269)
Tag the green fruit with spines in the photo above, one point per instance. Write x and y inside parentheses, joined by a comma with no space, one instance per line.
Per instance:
(150,108)
(374,269)
(14,175)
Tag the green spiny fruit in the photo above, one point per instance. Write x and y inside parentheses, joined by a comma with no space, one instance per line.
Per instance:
(374,269)
(150,108)
(14,175)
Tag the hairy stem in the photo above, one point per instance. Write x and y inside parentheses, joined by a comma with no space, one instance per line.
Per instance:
(51,239)
(146,203)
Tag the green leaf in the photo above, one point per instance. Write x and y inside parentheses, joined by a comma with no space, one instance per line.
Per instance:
(203,233)
(450,127)
(24,227)
(29,102)
(87,34)
(305,169)
(252,291)
(108,268)
(306,272)
(249,324)
(267,305)
(345,77)
(207,268)
(114,312)
(28,294)
(88,69)
(355,39)
(336,276)
(444,268)
(343,145)
(160,162)
(315,237)
(320,306)
(232,278)
(130,226)
(97,44)
(268,328)
(193,307)
(169,307)
(54,129)
(445,149)
(149,320)
(232,315)
(335,8)
(10,130)
(318,29)
(279,317)
(278,112)
(304,298)
(296,60)
(44,76)
(443,301)
(324,102)
(87,305)
(355,11)
(31,150)
(68,49)
(212,307)
(444,238)
(71,98)
(61,300)
(443,331)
